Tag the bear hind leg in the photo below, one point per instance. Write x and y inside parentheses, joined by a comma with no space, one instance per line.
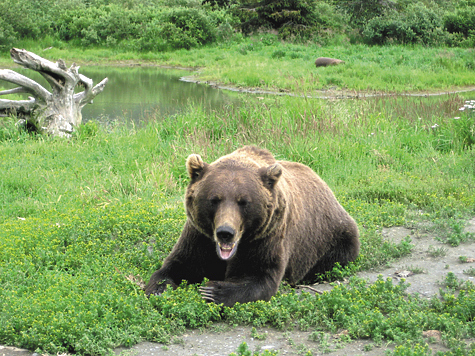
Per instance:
(343,253)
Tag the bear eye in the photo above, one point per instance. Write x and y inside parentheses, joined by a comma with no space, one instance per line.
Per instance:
(242,202)
(215,200)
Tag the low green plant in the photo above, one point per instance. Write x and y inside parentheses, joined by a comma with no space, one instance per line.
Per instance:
(256,335)
(322,339)
(437,251)
(470,272)
(453,283)
(416,269)
(410,349)
(243,350)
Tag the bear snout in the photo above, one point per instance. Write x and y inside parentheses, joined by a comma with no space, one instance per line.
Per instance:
(225,233)
(226,244)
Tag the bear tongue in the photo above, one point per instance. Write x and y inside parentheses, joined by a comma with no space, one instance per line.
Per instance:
(226,250)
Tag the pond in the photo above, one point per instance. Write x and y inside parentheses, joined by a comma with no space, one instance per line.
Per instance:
(140,93)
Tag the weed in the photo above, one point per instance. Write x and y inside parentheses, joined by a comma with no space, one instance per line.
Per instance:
(368,347)
(453,283)
(416,269)
(410,349)
(256,335)
(278,54)
(437,251)
(470,272)
(243,350)
(322,339)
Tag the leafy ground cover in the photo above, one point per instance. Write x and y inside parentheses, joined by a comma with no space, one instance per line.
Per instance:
(84,219)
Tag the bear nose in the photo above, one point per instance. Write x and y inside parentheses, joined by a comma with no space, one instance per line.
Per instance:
(225,233)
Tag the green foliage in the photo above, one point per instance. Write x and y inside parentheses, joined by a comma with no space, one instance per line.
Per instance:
(87,130)
(254,62)
(243,350)
(181,27)
(409,349)
(152,26)
(70,295)
(418,24)
(7,35)
(458,133)
(161,25)
(362,11)
(84,219)
(292,18)
(10,131)
(462,21)
(460,24)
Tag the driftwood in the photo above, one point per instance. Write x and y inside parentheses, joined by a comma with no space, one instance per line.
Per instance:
(58,112)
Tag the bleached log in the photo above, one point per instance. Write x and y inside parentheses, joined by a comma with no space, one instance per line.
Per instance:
(56,112)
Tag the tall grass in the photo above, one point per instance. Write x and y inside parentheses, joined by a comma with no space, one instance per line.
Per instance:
(84,218)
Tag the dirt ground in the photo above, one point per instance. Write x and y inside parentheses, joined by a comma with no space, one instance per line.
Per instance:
(223,339)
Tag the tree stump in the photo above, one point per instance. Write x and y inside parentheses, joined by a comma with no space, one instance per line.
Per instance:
(58,112)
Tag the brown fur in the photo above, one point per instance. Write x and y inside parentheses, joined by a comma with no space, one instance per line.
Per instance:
(324,61)
(284,220)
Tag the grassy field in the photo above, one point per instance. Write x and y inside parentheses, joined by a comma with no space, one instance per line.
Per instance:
(83,218)
(267,63)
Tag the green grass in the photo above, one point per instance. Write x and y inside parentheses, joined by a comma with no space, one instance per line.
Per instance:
(265,62)
(79,217)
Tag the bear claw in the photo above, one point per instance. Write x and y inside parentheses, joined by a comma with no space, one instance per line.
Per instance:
(207,293)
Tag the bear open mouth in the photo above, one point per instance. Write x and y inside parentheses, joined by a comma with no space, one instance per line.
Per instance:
(226,250)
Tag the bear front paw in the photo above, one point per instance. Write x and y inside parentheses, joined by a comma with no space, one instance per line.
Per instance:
(207,293)
(214,292)
(155,289)
(158,285)
(218,292)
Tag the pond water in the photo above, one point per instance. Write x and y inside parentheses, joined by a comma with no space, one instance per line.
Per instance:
(140,93)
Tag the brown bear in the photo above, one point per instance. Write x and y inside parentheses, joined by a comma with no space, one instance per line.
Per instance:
(325,61)
(251,222)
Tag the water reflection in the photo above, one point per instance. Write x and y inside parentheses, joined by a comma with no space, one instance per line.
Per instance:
(141,94)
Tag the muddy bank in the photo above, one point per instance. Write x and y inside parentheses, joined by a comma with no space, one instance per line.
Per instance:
(320,93)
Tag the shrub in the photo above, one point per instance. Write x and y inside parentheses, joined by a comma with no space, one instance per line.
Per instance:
(418,24)
(181,27)
(195,25)
(7,35)
(180,24)
(362,11)
(461,21)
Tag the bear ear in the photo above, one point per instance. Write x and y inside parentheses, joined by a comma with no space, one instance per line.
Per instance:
(194,166)
(271,175)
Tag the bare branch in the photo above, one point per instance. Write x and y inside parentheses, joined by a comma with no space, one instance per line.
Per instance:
(89,92)
(32,61)
(28,84)
(14,91)
(23,106)
(53,81)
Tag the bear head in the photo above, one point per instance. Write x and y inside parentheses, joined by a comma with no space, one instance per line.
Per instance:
(232,201)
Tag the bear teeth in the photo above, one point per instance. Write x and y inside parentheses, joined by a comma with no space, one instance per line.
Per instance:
(226,251)
(226,247)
